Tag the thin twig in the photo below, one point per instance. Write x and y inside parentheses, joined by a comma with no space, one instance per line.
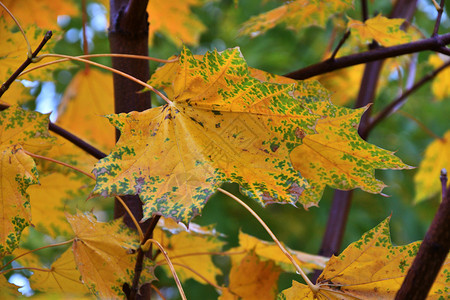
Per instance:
(341,42)
(398,103)
(29,51)
(440,10)
(434,43)
(443,178)
(311,285)
(25,64)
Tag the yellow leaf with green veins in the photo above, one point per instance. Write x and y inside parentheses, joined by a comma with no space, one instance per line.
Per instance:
(222,126)
(436,158)
(296,15)
(336,156)
(19,130)
(385,31)
(105,254)
(370,268)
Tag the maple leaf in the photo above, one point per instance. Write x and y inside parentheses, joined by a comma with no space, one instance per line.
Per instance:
(9,290)
(296,15)
(190,249)
(219,120)
(183,27)
(94,89)
(385,31)
(370,268)
(437,157)
(42,13)
(105,254)
(14,50)
(270,251)
(336,155)
(440,86)
(18,129)
(17,94)
(62,277)
(252,279)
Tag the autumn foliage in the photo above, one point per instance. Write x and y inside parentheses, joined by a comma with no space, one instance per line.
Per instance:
(215,120)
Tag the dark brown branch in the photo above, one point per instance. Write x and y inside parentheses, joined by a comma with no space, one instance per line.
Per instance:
(341,42)
(434,43)
(438,18)
(140,258)
(432,254)
(26,63)
(398,103)
(364,10)
(71,138)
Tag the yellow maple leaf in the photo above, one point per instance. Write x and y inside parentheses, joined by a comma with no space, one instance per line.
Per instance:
(42,13)
(252,279)
(14,50)
(189,250)
(296,15)
(58,193)
(105,254)
(370,268)
(93,89)
(62,277)
(441,83)
(437,157)
(9,290)
(270,251)
(182,27)
(20,130)
(219,119)
(385,31)
(17,94)
(336,155)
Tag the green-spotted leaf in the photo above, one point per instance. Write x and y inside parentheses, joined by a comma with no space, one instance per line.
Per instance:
(221,126)
(19,130)
(370,268)
(336,156)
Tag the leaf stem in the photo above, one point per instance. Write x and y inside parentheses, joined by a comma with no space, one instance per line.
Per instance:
(172,269)
(341,42)
(312,286)
(59,163)
(142,83)
(34,250)
(26,63)
(29,51)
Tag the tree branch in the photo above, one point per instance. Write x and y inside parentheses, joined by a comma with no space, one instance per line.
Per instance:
(26,63)
(436,43)
(440,10)
(398,103)
(432,253)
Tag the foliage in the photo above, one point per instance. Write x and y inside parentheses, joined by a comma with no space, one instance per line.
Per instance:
(218,122)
